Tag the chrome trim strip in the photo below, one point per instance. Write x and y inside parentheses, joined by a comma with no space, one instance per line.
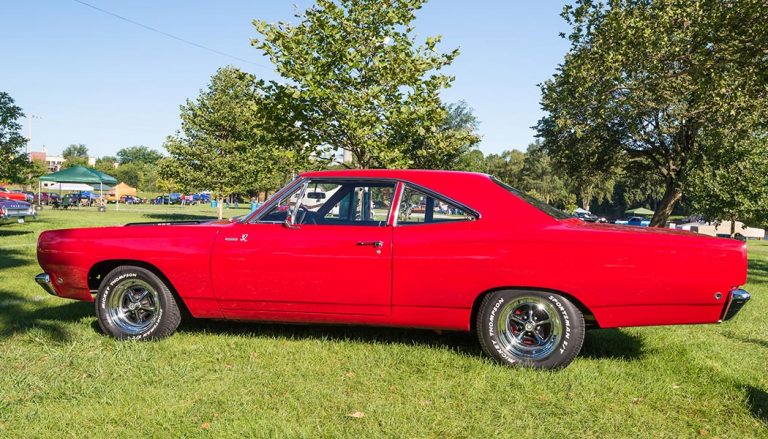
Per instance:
(44,280)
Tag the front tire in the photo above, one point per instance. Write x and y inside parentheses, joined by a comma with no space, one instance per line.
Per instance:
(533,329)
(134,303)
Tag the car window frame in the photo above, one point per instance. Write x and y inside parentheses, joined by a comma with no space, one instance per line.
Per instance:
(436,195)
(399,183)
(304,182)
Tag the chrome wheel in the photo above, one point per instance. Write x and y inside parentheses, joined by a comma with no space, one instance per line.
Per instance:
(529,328)
(133,306)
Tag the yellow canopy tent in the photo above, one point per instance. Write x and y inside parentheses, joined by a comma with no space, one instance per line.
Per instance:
(118,191)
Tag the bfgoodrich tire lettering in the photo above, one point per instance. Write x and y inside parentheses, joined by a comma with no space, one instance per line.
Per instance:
(530,328)
(133,303)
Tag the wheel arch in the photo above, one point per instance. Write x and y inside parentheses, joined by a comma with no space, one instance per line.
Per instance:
(101,269)
(589,316)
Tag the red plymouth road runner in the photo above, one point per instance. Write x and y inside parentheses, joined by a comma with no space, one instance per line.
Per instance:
(428,249)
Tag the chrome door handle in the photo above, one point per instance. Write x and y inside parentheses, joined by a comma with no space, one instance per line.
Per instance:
(376,244)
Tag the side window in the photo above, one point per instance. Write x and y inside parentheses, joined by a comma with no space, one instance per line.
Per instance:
(279,213)
(328,202)
(416,207)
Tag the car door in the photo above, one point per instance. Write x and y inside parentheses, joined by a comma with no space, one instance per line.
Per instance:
(335,257)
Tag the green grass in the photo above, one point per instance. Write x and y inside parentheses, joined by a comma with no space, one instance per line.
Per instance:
(61,377)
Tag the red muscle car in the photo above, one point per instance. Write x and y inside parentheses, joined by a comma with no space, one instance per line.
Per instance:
(429,249)
(11,195)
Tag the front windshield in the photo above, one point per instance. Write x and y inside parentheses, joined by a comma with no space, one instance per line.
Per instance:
(542,206)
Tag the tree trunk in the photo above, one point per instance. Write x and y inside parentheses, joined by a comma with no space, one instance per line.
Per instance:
(221,207)
(672,195)
(733,226)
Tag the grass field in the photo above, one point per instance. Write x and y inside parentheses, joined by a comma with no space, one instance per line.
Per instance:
(60,377)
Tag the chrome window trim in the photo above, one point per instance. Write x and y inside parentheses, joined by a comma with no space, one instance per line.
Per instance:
(255,217)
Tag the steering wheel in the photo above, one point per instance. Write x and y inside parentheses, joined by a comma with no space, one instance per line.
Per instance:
(307,216)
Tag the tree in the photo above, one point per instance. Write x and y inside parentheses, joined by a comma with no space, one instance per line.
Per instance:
(130,173)
(14,162)
(647,83)
(227,143)
(446,145)
(364,85)
(75,155)
(539,179)
(730,185)
(507,167)
(106,164)
(139,153)
(35,170)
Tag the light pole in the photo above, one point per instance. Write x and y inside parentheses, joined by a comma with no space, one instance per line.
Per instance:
(29,137)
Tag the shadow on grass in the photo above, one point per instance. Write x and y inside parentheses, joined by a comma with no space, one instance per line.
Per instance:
(754,341)
(178,216)
(14,232)
(457,341)
(757,271)
(11,258)
(602,344)
(612,344)
(757,400)
(17,318)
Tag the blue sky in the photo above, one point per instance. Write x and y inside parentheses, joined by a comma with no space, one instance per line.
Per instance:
(96,80)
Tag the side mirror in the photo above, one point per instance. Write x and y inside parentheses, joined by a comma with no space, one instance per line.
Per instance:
(289,222)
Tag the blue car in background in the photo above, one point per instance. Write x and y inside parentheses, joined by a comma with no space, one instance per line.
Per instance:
(635,221)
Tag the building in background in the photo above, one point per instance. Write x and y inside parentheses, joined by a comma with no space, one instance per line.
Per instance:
(54,162)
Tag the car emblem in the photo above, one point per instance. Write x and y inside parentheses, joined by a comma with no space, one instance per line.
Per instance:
(243,238)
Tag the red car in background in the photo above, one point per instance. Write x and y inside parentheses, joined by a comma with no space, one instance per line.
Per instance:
(11,195)
(428,249)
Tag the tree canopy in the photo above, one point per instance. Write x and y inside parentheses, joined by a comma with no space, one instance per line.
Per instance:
(365,85)
(75,154)
(648,86)
(224,145)
(14,162)
(138,154)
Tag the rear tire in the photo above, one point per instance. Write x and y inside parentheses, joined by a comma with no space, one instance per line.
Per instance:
(533,329)
(134,303)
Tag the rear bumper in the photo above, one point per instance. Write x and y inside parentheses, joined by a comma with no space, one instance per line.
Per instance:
(16,217)
(44,280)
(736,299)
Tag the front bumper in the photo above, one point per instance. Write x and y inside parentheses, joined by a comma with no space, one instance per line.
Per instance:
(44,280)
(735,301)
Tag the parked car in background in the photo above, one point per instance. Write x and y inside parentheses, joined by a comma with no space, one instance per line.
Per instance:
(15,210)
(634,221)
(12,195)
(480,256)
(590,217)
(46,198)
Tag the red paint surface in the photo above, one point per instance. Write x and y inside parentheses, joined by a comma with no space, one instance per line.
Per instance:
(426,275)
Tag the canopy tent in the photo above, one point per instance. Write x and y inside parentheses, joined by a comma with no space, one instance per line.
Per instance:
(67,186)
(122,189)
(580,210)
(640,211)
(79,174)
